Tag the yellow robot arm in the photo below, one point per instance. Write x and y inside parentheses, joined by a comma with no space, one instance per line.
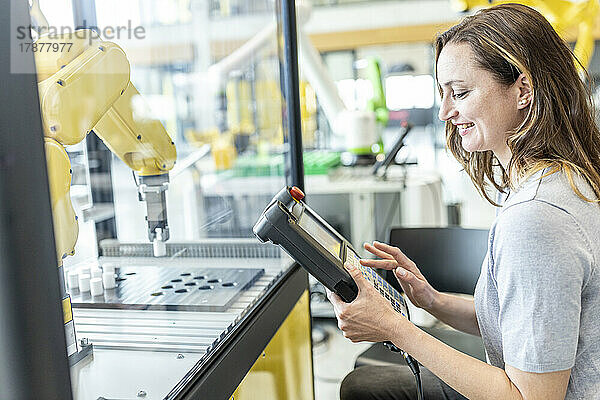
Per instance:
(63,50)
(130,132)
(141,141)
(85,87)
(562,14)
(75,97)
(65,220)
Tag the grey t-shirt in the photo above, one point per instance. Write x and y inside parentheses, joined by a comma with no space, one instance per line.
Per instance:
(538,296)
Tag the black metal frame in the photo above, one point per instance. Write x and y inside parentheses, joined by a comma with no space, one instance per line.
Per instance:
(32,338)
(219,375)
(291,86)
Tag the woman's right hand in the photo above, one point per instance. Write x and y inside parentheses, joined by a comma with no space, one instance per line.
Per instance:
(414,284)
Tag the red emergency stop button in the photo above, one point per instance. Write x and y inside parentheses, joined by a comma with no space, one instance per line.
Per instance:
(296,193)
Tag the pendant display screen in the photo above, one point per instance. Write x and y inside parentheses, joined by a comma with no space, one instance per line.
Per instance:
(321,234)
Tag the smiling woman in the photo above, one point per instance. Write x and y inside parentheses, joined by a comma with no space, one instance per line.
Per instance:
(508,54)
(517,116)
(480,109)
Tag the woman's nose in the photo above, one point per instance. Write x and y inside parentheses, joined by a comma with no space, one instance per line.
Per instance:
(447,110)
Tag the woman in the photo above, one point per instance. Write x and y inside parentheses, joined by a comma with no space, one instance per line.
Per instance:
(517,116)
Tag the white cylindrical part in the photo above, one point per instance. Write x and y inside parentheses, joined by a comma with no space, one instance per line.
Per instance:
(96,287)
(96,273)
(85,270)
(84,283)
(108,279)
(160,248)
(109,267)
(73,280)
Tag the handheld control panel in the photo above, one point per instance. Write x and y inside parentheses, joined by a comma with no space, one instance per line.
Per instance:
(322,251)
(317,247)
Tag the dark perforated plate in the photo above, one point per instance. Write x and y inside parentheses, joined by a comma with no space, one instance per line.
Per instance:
(172,288)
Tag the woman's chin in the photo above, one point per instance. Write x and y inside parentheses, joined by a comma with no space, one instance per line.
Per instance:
(470,146)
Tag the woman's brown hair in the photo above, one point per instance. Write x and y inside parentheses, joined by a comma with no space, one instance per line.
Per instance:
(559,130)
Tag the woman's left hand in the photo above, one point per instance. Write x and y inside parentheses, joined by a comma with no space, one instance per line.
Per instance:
(370,317)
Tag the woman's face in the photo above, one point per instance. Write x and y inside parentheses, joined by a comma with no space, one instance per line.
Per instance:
(482,108)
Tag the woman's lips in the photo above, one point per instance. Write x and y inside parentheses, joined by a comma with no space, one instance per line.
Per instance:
(465,131)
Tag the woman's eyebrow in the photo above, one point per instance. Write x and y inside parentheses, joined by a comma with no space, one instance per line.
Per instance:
(452,82)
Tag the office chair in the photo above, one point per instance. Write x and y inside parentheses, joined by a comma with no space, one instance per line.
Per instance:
(450,259)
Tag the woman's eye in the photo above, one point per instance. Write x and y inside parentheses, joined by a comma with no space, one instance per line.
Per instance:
(460,95)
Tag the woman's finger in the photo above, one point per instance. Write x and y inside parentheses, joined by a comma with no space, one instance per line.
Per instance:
(333,297)
(404,275)
(407,280)
(337,303)
(404,285)
(390,250)
(375,251)
(398,255)
(383,264)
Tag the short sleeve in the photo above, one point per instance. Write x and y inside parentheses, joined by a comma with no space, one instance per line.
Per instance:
(541,261)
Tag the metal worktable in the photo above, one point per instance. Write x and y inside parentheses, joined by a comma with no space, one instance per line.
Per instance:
(182,354)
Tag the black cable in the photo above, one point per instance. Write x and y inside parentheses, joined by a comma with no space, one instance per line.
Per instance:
(412,364)
(419,387)
(414,367)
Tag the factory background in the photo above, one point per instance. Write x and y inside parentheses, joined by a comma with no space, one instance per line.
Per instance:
(350,116)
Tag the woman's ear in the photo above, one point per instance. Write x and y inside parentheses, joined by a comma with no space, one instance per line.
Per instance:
(525,92)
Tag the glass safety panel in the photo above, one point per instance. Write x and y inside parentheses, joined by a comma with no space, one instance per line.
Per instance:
(164,130)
